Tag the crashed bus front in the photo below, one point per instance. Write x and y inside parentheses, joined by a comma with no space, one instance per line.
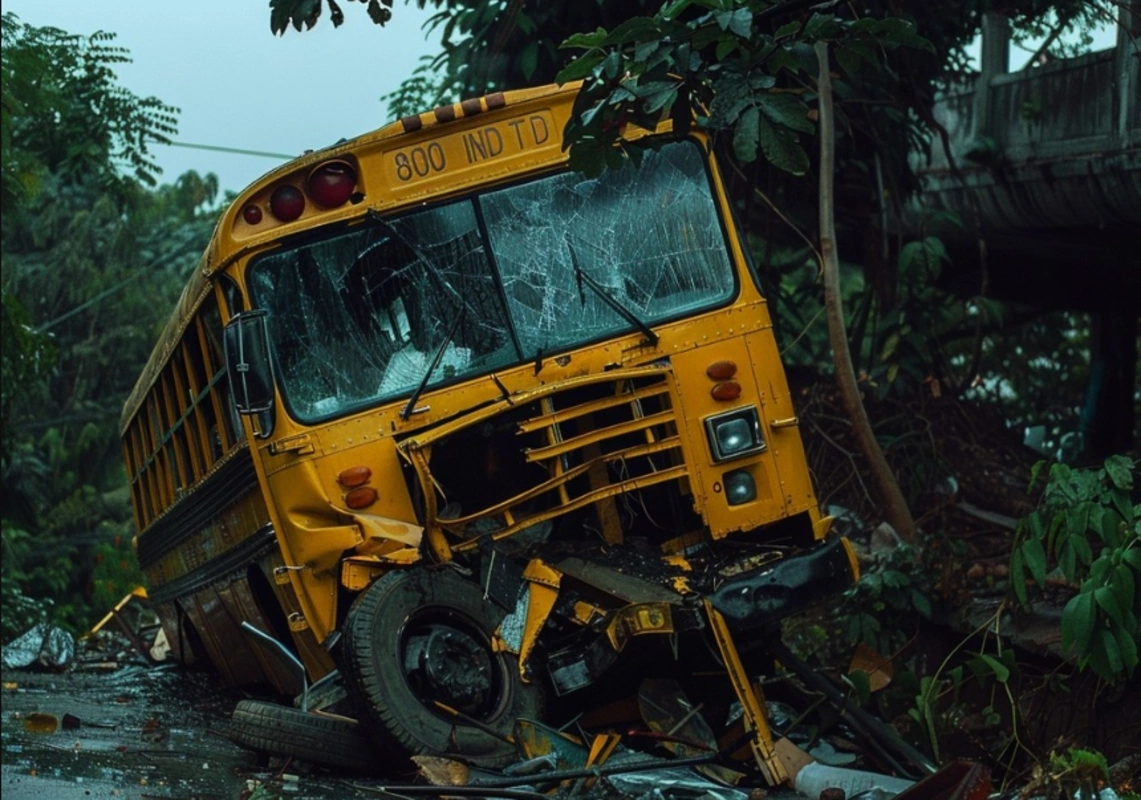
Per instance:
(521,437)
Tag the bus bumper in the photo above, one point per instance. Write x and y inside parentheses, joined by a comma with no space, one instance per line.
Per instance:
(764,596)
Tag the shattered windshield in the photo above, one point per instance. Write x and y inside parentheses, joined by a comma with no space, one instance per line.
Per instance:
(650,237)
(359,317)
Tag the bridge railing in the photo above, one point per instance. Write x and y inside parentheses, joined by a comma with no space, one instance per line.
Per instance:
(1090,104)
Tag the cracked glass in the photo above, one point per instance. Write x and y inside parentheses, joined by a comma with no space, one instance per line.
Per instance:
(649,237)
(359,317)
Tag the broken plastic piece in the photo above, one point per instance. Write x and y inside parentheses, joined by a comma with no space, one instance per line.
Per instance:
(48,645)
(815,778)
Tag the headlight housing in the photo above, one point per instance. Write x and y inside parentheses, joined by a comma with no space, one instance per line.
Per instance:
(734,433)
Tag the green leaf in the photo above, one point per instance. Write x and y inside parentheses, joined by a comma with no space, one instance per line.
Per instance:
(1018,577)
(895,579)
(1035,555)
(580,68)
(1127,645)
(612,64)
(1125,587)
(585,40)
(782,58)
(889,346)
(1120,500)
(849,60)
(1034,470)
(1110,604)
(787,110)
(726,47)
(742,23)
(1077,519)
(1120,471)
(822,26)
(860,681)
(1094,519)
(1078,619)
(898,31)
(745,135)
(786,30)
(1081,550)
(921,603)
(635,29)
(645,50)
(661,99)
(378,13)
(1112,654)
(1001,673)
(782,149)
(1132,557)
(529,59)
(673,9)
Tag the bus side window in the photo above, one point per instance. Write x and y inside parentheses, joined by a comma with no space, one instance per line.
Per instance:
(211,320)
(232,294)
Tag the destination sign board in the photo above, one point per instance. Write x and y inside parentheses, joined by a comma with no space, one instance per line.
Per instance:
(507,140)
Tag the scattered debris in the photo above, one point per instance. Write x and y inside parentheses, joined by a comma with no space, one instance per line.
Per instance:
(44,645)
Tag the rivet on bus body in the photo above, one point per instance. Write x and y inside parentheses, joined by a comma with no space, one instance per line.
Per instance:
(361,497)
(354,476)
(721,370)
(726,390)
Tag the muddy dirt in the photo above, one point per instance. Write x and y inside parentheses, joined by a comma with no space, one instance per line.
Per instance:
(139,732)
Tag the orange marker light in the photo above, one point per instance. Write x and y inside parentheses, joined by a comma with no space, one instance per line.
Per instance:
(721,370)
(361,497)
(726,390)
(354,476)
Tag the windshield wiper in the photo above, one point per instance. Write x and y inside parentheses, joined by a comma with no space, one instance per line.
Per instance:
(582,278)
(408,409)
(429,266)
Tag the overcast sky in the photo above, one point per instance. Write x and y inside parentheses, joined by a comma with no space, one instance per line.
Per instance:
(237,84)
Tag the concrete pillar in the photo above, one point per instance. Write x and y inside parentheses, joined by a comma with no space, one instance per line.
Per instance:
(1127,73)
(995,61)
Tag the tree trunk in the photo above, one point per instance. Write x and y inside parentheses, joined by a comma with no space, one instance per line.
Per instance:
(895,507)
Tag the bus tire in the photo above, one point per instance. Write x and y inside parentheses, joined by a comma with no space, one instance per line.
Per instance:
(284,731)
(416,637)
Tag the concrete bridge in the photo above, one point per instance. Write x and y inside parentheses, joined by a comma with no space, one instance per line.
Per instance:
(1044,171)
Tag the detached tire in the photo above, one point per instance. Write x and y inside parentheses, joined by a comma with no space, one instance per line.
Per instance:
(415,638)
(284,731)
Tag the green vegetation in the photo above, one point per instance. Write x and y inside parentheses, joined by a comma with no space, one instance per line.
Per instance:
(93,258)
(1080,510)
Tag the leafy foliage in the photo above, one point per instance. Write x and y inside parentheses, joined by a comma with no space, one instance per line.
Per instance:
(93,261)
(1080,510)
(714,62)
(64,114)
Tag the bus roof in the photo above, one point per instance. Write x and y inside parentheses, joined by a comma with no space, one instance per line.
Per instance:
(225,246)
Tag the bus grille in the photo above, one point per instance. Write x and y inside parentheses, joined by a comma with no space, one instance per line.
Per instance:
(556,450)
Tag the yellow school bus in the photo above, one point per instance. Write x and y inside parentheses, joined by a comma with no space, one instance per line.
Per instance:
(485,438)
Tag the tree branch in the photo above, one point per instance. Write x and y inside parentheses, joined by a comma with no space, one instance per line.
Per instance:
(895,507)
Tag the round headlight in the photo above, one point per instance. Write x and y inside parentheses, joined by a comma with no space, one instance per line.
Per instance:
(739,487)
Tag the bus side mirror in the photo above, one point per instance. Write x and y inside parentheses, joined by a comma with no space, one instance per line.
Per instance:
(248,363)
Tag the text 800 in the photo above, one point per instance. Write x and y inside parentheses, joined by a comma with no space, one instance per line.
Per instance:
(419,162)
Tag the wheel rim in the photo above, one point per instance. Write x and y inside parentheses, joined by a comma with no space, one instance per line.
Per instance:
(446,658)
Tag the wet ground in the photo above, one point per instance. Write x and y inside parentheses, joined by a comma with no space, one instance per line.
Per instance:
(139,732)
